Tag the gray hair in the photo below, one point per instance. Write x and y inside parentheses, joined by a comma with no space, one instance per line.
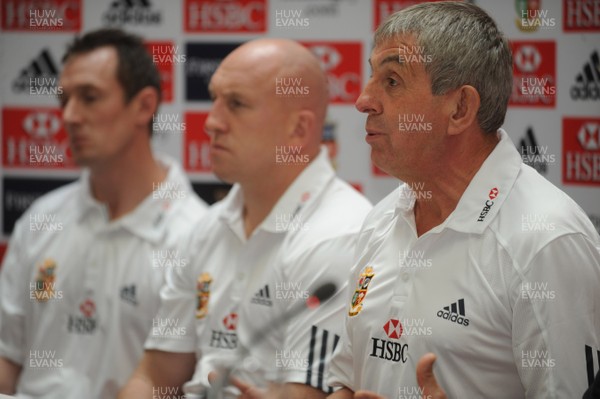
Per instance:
(466,48)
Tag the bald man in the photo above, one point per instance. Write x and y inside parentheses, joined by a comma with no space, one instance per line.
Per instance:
(287,226)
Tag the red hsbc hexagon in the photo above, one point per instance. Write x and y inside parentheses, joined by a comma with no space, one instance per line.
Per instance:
(393,328)
(35,138)
(581,151)
(230,321)
(493,193)
(534,74)
(88,308)
(343,65)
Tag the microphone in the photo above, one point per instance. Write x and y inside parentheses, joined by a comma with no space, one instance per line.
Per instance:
(320,295)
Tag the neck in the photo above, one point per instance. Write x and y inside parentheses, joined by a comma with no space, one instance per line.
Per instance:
(124,182)
(261,196)
(441,189)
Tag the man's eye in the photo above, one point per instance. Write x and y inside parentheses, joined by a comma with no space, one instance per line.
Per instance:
(89,98)
(233,104)
(392,82)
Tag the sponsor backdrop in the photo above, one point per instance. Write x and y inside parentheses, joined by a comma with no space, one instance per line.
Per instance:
(553,117)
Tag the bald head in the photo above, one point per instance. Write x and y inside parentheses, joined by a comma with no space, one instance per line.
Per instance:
(268,96)
(286,69)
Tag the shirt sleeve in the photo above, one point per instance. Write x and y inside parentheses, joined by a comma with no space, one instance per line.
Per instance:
(311,337)
(556,318)
(341,370)
(14,292)
(174,326)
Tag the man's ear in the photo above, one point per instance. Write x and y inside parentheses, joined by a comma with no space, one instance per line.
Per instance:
(146,104)
(304,126)
(464,107)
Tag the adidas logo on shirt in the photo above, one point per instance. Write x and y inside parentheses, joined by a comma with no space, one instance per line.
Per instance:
(128,294)
(587,82)
(41,72)
(455,313)
(262,297)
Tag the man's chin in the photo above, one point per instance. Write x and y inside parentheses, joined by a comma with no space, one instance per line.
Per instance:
(224,176)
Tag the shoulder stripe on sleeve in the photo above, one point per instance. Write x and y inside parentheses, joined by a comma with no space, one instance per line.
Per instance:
(328,342)
(589,360)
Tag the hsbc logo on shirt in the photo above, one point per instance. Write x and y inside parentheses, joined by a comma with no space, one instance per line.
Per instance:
(34,138)
(230,16)
(581,151)
(342,64)
(41,16)
(227,339)
(534,74)
(387,349)
(488,204)
(85,321)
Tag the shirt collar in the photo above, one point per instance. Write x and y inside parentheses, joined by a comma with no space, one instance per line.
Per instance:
(484,195)
(303,190)
(147,220)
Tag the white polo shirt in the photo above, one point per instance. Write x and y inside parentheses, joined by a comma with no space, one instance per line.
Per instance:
(505,292)
(237,285)
(78,292)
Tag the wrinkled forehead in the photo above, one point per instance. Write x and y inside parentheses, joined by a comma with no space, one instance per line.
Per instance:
(397,53)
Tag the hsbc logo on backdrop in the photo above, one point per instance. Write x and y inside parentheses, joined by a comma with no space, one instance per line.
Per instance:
(588,136)
(225,16)
(534,74)
(196,143)
(41,15)
(581,15)
(41,124)
(342,64)
(34,138)
(164,54)
(528,59)
(581,151)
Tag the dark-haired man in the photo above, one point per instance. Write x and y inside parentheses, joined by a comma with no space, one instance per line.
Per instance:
(476,258)
(77,302)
